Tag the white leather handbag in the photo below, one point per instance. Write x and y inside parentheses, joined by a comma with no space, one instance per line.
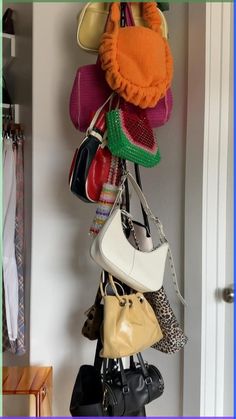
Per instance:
(142,271)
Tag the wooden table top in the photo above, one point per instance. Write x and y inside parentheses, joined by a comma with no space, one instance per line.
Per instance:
(24,380)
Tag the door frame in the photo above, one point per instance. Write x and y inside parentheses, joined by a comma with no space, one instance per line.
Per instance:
(205,206)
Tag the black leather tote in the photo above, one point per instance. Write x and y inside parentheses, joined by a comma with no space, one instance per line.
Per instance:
(87,393)
(129,390)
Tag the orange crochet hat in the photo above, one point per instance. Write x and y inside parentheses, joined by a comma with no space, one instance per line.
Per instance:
(137,61)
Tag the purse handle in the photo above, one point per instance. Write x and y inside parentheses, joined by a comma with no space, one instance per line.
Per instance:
(148,380)
(124,299)
(113,286)
(156,221)
(149,13)
(133,366)
(90,130)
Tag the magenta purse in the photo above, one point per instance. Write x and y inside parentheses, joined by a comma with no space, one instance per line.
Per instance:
(90,90)
(159,115)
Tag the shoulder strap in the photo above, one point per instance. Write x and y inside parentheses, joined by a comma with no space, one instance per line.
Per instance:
(90,130)
(138,179)
(97,360)
(156,221)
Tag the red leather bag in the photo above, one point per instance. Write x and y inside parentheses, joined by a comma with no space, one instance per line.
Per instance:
(98,173)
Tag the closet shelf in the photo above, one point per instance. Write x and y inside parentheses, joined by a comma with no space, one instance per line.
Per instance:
(9,45)
(8,49)
(15,108)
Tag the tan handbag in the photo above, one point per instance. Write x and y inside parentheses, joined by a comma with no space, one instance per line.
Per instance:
(129,324)
(92,20)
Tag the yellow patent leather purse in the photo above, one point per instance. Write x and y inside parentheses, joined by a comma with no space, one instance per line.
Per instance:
(92,20)
(129,324)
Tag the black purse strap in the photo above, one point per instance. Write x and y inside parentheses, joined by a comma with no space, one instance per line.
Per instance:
(98,361)
(138,180)
(125,387)
(148,379)
(145,372)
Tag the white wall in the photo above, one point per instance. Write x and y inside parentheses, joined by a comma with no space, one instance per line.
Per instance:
(64,280)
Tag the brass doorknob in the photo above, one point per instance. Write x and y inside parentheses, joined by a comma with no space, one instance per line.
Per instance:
(228,294)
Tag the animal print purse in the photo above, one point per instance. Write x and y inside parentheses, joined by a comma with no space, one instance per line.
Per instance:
(174,338)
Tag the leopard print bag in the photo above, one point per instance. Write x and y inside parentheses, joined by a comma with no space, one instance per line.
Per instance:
(174,338)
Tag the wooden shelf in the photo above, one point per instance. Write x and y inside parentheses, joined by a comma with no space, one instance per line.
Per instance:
(30,380)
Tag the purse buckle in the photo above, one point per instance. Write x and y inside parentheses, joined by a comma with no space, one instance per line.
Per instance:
(125,389)
(148,380)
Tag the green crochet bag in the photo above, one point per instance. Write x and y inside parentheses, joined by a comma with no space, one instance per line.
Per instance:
(130,137)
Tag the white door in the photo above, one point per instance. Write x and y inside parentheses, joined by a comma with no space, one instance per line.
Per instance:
(208,358)
(229,309)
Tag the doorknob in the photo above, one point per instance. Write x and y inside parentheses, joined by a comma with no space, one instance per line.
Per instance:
(228,294)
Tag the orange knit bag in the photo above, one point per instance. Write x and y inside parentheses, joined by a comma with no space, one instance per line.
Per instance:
(137,61)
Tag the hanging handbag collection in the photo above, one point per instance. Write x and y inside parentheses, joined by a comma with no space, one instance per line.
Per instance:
(131,311)
(90,89)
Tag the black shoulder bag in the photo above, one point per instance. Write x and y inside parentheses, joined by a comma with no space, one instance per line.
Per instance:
(127,391)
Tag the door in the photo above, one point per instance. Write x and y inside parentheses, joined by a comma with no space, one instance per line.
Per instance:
(229,309)
(208,359)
